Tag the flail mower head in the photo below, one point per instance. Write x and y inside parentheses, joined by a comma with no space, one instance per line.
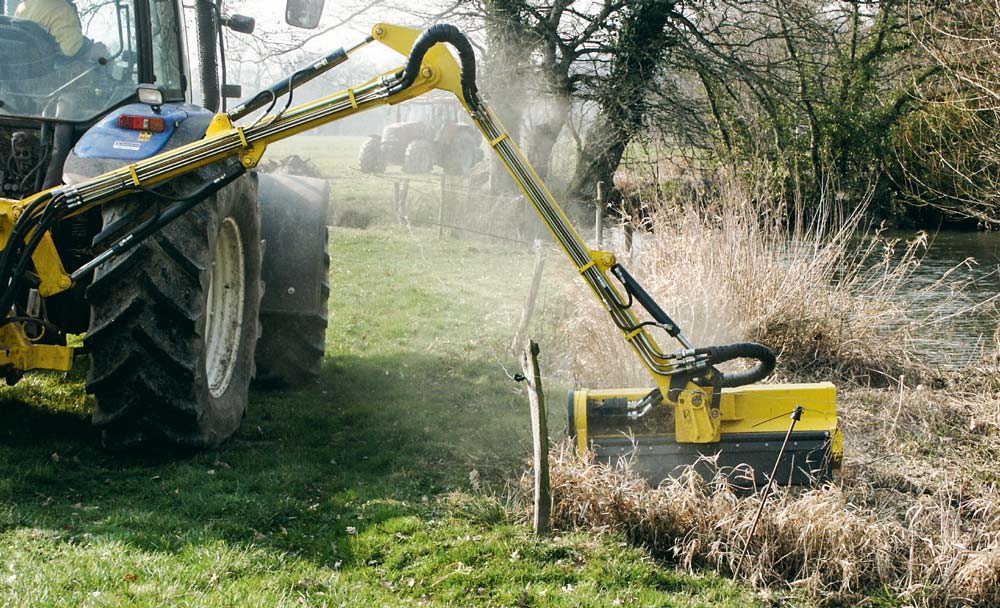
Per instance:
(610,425)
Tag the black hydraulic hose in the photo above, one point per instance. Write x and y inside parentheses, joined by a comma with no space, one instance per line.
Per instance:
(11,281)
(741,350)
(442,32)
(15,242)
(262,98)
(634,289)
(160,220)
(205,11)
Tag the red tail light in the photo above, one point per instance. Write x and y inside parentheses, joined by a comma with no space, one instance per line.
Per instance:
(142,123)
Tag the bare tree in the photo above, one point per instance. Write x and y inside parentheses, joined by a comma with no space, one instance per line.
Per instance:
(636,59)
(949,154)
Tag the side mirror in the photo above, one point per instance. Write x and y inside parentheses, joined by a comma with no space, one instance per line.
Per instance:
(240,23)
(304,13)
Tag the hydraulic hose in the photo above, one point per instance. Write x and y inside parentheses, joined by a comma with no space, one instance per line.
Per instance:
(741,350)
(442,32)
(208,28)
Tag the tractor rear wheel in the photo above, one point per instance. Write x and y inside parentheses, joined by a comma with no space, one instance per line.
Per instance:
(291,347)
(419,157)
(461,155)
(370,159)
(173,327)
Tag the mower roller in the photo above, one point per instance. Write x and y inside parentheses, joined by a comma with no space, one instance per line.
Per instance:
(691,412)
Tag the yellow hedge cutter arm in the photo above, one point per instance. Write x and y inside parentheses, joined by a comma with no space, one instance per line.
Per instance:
(694,409)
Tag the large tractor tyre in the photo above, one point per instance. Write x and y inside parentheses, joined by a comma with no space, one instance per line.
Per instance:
(419,157)
(291,346)
(461,156)
(174,325)
(370,158)
(296,281)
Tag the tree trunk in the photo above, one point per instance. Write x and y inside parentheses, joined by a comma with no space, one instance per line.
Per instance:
(509,50)
(542,135)
(642,43)
(602,153)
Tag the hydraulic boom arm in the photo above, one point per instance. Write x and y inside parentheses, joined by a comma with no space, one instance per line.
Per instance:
(686,379)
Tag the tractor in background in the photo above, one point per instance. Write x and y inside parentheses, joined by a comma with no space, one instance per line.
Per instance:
(433,134)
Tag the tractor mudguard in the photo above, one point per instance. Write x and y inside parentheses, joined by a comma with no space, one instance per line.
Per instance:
(106,146)
(294,229)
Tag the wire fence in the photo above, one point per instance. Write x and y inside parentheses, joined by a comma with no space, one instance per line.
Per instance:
(448,203)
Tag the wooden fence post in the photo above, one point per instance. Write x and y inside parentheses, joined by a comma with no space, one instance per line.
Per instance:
(599,216)
(540,438)
(529,305)
(441,208)
(400,190)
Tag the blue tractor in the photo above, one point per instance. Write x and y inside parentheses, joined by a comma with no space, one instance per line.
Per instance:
(178,327)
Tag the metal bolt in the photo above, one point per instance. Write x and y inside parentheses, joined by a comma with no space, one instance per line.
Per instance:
(291,291)
(696,399)
(379,32)
(427,72)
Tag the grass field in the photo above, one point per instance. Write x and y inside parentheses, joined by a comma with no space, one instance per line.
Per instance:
(383,484)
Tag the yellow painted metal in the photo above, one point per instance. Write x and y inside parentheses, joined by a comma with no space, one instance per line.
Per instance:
(699,426)
(580,421)
(698,420)
(17,351)
(604,259)
(251,153)
(52,276)
(759,408)
(695,419)
(439,69)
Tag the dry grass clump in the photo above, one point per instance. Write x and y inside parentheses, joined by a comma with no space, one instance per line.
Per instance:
(728,267)
(915,514)
(838,544)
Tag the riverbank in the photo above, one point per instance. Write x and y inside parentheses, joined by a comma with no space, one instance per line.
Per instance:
(914,519)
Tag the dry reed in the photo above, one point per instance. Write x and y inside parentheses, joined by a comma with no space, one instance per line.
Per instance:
(839,544)
(823,294)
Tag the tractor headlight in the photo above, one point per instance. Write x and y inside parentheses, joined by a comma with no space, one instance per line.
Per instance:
(150,94)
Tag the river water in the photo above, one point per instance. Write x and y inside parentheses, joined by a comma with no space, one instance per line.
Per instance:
(972,258)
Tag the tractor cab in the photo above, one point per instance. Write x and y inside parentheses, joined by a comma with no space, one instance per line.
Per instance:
(49,99)
(39,81)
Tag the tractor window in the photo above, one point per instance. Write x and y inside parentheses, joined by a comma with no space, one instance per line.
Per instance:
(74,60)
(166,48)
(106,22)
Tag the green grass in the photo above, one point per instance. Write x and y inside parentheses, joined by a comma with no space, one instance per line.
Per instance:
(353,492)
